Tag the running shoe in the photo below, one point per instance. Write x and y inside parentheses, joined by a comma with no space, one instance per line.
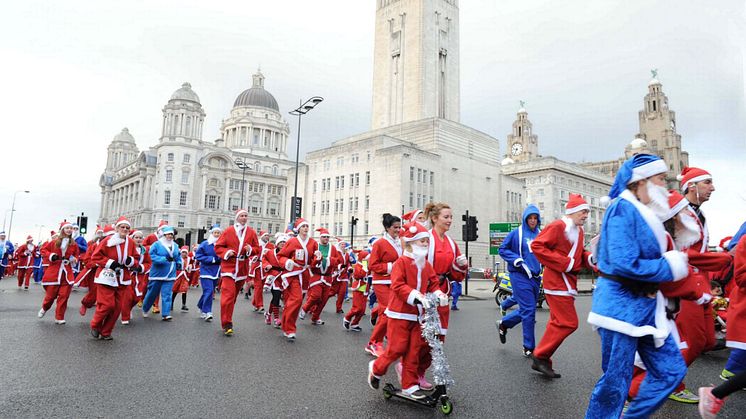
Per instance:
(345,324)
(684,396)
(302,314)
(709,405)
(726,375)
(59,321)
(228,331)
(502,331)
(41,313)
(373,381)
(371,349)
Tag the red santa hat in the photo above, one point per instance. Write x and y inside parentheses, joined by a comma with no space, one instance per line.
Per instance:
(99,229)
(576,204)
(262,233)
(108,230)
(676,202)
(121,220)
(323,232)
(411,215)
(51,234)
(64,224)
(184,249)
(161,224)
(241,211)
(280,237)
(413,231)
(30,239)
(692,175)
(298,223)
(136,232)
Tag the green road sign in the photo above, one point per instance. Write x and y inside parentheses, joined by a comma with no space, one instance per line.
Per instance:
(498,232)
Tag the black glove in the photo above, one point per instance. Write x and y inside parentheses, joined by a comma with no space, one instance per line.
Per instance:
(129,260)
(53,257)
(170,258)
(115,265)
(139,269)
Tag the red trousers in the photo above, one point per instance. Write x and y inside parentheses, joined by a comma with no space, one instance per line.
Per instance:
(257,300)
(108,308)
(382,298)
(293,299)
(89,300)
(406,342)
(60,293)
(338,288)
(85,277)
(445,314)
(229,289)
(359,300)
(697,328)
(24,276)
(316,300)
(563,320)
(129,299)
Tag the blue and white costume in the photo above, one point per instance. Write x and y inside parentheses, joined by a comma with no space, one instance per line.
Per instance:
(209,271)
(166,259)
(627,311)
(82,246)
(6,251)
(524,270)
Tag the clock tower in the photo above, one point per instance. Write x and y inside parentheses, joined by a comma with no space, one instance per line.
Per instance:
(522,144)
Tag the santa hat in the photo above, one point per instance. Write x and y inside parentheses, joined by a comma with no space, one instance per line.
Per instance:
(63,225)
(281,237)
(51,234)
(99,229)
(240,211)
(576,204)
(724,243)
(29,238)
(108,230)
(184,249)
(411,215)
(372,240)
(692,175)
(676,202)
(167,230)
(215,228)
(262,233)
(413,231)
(637,167)
(323,232)
(136,232)
(298,223)
(2,233)
(121,221)
(161,224)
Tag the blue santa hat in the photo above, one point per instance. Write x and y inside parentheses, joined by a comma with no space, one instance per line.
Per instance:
(637,167)
(167,230)
(216,227)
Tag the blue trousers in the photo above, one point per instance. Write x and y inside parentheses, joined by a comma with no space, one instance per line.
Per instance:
(525,292)
(509,302)
(208,289)
(38,274)
(736,361)
(2,271)
(455,292)
(665,370)
(164,289)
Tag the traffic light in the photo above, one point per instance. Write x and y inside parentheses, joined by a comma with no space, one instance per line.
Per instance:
(353,221)
(469,229)
(83,224)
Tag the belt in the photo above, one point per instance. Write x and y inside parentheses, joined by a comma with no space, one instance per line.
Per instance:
(640,288)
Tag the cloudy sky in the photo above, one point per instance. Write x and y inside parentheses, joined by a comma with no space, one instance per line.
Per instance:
(75,73)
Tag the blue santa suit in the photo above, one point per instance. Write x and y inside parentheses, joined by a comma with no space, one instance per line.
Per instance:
(38,268)
(162,274)
(524,270)
(737,359)
(209,271)
(632,247)
(83,247)
(6,250)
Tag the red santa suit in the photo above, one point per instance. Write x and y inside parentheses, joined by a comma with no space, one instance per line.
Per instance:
(559,247)
(25,262)
(88,273)
(736,333)
(138,276)
(359,290)
(58,275)
(234,247)
(386,251)
(341,280)
(449,265)
(297,256)
(321,280)
(256,273)
(181,284)
(112,256)
(272,271)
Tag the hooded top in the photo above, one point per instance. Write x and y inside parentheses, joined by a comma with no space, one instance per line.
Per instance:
(737,237)
(516,255)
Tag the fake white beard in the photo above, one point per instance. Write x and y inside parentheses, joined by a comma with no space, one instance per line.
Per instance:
(76,234)
(211,239)
(658,200)
(166,242)
(419,254)
(686,230)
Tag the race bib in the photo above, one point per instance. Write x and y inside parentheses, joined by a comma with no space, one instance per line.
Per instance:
(300,254)
(109,275)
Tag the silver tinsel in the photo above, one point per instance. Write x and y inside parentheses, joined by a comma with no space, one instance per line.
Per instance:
(430,322)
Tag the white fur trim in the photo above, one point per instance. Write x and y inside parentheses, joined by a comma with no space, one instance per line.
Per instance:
(628,329)
(420,235)
(735,344)
(389,266)
(646,170)
(579,208)
(411,297)
(700,178)
(129,265)
(678,262)
(109,262)
(569,267)
(605,201)
(400,316)
(289,265)
(517,261)
(704,299)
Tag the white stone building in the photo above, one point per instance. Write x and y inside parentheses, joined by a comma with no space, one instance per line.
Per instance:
(194,183)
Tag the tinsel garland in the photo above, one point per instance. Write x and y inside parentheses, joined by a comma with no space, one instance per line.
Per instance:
(430,322)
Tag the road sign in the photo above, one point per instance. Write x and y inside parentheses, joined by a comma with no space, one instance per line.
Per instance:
(498,232)
(296,203)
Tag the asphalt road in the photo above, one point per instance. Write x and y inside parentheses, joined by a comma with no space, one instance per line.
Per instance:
(187,368)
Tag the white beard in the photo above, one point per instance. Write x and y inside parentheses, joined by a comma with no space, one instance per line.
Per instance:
(658,201)
(76,234)
(211,239)
(419,254)
(686,230)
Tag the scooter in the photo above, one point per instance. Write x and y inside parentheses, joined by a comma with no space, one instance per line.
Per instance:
(438,397)
(504,289)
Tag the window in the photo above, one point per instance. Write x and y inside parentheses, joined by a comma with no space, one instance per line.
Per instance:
(169,175)
(255,206)
(273,208)
(369,157)
(212,202)
(183,198)
(236,184)
(341,182)
(275,170)
(170,157)
(411,174)
(233,203)
(340,161)
(366,228)
(432,178)
(367,178)
(419,175)
(166,197)
(327,164)
(424,176)
(357,179)
(181,222)
(187,158)
(367,202)
(314,186)
(185,176)
(313,208)
(336,182)
(355,157)
(411,199)
(350,204)
(341,205)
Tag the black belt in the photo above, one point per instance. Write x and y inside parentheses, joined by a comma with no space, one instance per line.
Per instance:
(639,288)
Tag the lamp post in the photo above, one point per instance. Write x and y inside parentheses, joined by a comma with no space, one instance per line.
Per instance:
(301,110)
(243,166)
(12,210)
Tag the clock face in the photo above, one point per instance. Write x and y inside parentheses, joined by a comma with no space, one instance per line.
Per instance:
(516,149)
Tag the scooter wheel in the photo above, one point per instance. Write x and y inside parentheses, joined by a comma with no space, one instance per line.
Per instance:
(446,407)
(386,394)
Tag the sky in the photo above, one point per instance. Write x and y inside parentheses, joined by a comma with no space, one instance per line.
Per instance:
(75,73)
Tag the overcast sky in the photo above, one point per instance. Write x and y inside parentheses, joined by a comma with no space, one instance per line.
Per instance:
(75,73)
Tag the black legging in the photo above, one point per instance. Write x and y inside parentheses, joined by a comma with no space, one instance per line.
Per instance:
(183,298)
(276,296)
(733,384)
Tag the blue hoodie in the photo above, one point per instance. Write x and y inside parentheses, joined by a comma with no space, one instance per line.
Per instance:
(209,262)
(516,256)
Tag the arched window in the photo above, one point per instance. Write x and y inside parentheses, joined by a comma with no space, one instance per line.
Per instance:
(257,167)
(275,170)
(170,157)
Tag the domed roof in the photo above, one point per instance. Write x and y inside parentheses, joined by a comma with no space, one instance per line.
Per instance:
(257,96)
(638,143)
(506,161)
(654,82)
(124,136)
(185,93)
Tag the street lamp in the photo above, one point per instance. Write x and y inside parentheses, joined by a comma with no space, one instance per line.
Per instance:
(301,110)
(12,210)
(243,166)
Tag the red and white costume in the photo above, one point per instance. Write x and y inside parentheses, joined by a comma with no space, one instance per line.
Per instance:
(58,275)
(138,282)
(321,279)
(341,278)
(297,257)
(234,247)
(736,333)
(256,273)
(359,290)
(25,262)
(112,283)
(181,284)
(385,252)
(443,255)
(89,273)
(559,247)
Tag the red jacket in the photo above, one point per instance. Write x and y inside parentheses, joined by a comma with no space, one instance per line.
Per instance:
(360,276)
(442,255)
(114,249)
(382,259)
(344,267)
(236,265)
(324,275)
(406,277)
(25,256)
(297,258)
(736,333)
(61,267)
(562,258)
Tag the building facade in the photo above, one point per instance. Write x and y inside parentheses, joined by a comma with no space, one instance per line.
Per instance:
(193,183)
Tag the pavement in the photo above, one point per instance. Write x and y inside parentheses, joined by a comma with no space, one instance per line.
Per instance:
(188,369)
